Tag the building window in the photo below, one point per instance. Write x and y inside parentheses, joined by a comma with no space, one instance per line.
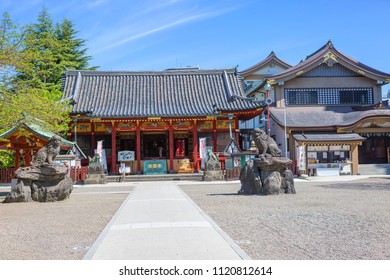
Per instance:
(353,97)
(328,96)
(302,97)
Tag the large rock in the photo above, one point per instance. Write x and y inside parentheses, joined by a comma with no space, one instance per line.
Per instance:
(44,180)
(47,183)
(44,172)
(273,163)
(268,173)
(250,179)
(287,182)
(267,176)
(272,183)
(19,193)
(51,191)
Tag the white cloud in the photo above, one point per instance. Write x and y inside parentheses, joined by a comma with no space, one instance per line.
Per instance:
(126,34)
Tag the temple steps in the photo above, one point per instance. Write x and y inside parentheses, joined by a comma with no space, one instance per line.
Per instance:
(157,177)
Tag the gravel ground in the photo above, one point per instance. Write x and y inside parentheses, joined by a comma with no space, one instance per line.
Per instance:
(57,230)
(323,221)
(348,220)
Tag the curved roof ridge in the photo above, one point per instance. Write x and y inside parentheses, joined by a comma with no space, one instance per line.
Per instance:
(328,44)
(183,71)
(270,57)
(328,51)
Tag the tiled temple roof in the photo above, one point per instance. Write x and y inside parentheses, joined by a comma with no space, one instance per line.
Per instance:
(347,137)
(321,117)
(170,93)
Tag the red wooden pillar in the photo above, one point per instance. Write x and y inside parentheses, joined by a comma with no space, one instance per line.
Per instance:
(93,147)
(171,148)
(214,136)
(236,135)
(27,157)
(17,159)
(138,147)
(195,149)
(113,148)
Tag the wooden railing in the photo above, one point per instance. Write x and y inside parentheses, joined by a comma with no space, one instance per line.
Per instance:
(79,173)
(6,175)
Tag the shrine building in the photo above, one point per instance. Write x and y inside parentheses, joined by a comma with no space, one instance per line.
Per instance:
(26,138)
(158,115)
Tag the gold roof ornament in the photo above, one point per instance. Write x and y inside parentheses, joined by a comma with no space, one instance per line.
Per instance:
(329,58)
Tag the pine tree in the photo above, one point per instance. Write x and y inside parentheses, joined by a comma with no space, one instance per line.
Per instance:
(32,61)
(52,50)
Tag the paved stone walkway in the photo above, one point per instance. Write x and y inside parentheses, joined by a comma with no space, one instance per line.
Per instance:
(158,221)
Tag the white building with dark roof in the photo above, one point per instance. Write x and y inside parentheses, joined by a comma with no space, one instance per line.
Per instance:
(334,103)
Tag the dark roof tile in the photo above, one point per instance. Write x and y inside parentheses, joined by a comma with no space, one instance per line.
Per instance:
(166,93)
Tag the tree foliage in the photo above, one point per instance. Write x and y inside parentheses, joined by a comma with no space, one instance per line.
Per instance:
(6,159)
(33,59)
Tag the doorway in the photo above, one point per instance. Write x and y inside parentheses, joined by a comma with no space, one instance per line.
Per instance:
(154,145)
(373,150)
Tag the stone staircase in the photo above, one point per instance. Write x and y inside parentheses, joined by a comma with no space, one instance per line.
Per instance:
(374,169)
(160,177)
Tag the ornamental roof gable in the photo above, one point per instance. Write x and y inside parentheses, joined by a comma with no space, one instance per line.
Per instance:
(328,55)
(269,66)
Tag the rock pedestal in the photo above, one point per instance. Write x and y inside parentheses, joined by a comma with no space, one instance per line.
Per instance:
(213,171)
(45,183)
(95,174)
(267,175)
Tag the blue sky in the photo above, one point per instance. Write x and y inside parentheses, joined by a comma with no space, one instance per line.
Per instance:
(156,35)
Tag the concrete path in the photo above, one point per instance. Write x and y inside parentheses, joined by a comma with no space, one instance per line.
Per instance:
(158,221)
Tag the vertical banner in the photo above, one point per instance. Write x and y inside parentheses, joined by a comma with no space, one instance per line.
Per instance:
(302,158)
(102,154)
(202,151)
(99,149)
(202,148)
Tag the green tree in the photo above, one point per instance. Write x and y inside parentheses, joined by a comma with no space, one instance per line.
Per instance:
(10,44)
(33,59)
(72,54)
(56,48)
(6,159)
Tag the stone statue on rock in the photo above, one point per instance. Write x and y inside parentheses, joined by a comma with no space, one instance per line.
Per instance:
(213,171)
(44,180)
(268,173)
(48,153)
(95,171)
(266,146)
